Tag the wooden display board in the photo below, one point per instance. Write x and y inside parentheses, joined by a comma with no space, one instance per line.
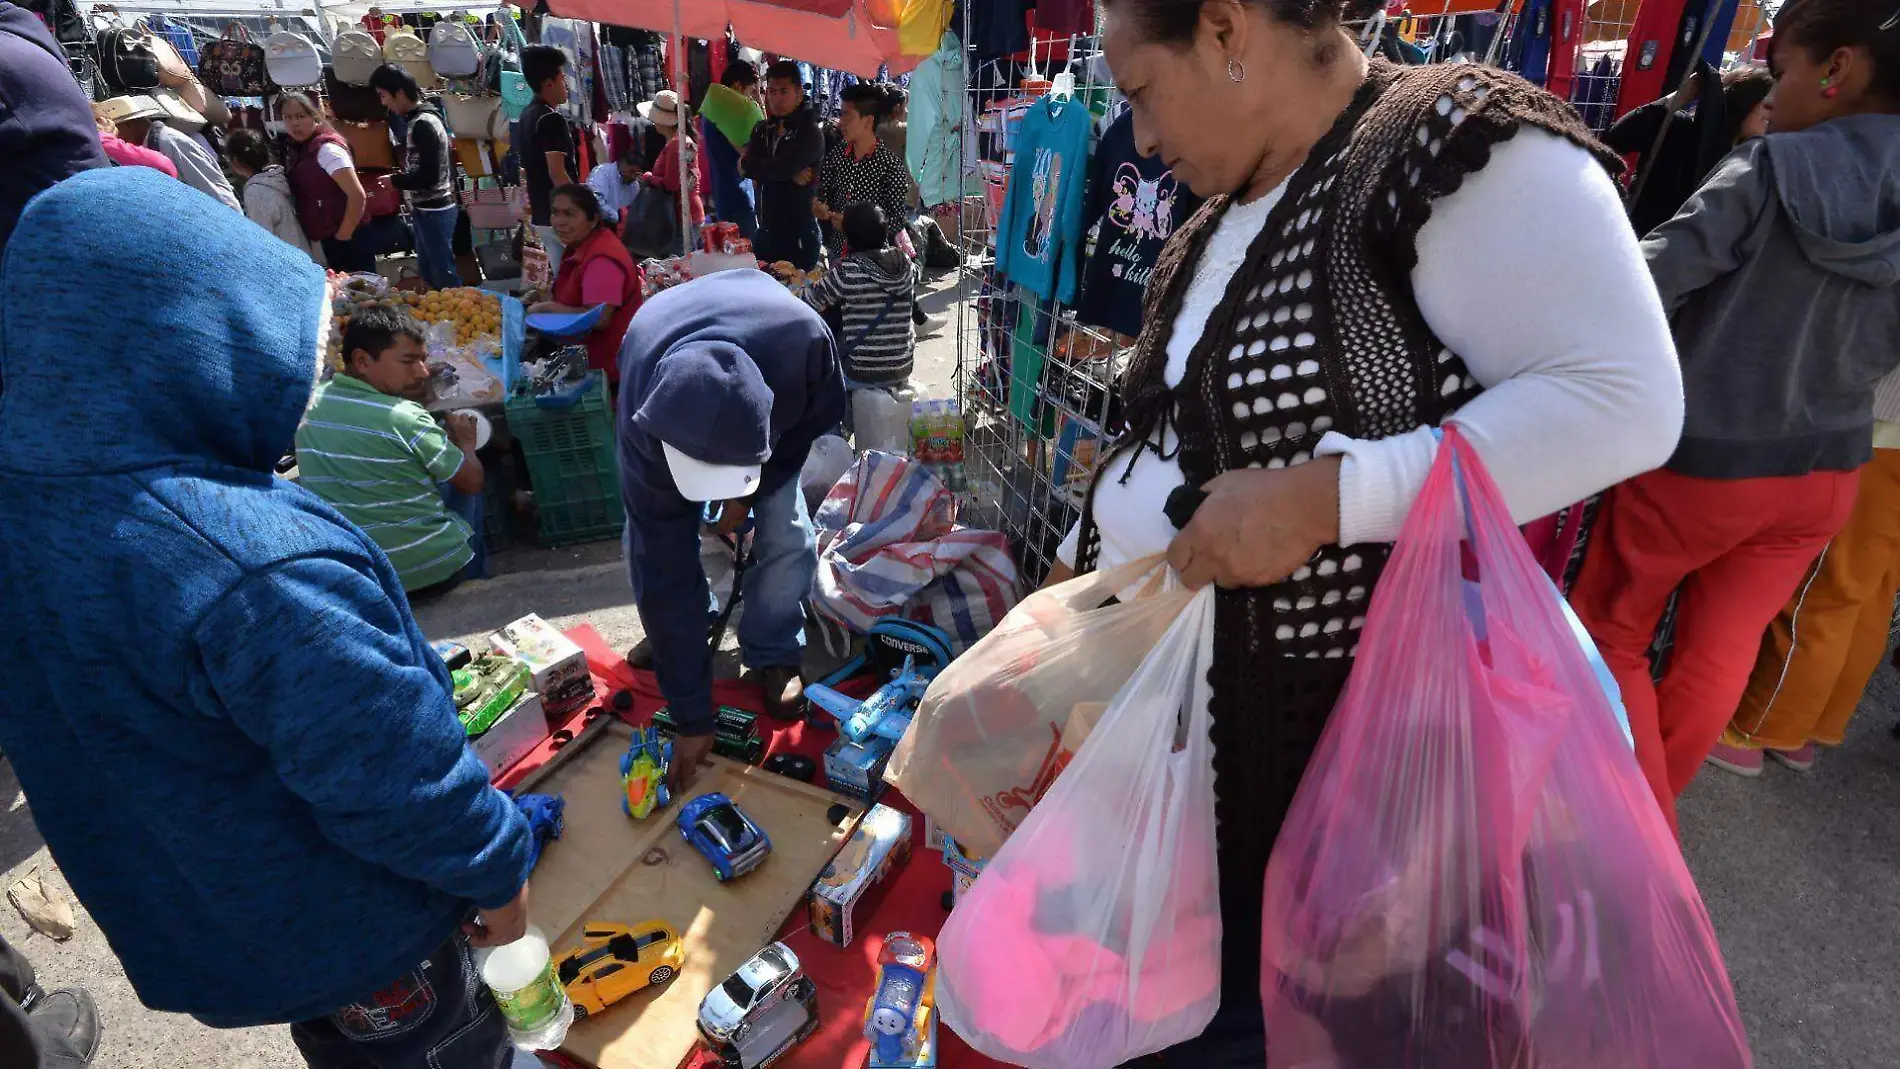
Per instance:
(608,867)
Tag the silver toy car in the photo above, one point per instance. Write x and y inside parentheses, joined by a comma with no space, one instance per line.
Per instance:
(760,1011)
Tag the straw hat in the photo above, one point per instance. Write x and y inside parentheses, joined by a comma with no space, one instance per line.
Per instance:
(663,109)
(128,108)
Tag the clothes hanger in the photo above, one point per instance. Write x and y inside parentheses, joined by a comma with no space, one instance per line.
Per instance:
(1063,87)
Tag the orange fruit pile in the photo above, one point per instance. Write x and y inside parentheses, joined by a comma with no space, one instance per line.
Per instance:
(474,312)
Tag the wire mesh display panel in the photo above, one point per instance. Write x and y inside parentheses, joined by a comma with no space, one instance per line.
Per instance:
(1035,380)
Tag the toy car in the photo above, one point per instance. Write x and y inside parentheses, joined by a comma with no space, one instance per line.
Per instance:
(763,1008)
(643,774)
(899,1018)
(616,960)
(724,834)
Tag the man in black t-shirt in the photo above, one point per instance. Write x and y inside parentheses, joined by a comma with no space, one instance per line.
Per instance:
(546,141)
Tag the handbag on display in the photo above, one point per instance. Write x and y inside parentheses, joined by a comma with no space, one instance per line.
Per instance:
(369,145)
(652,224)
(454,52)
(492,207)
(233,65)
(172,68)
(403,48)
(352,103)
(179,115)
(354,56)
(383,199)
(291,60)
(127,61)
(477,118)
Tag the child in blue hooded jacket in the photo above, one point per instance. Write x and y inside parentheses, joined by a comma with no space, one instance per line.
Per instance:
(236,742)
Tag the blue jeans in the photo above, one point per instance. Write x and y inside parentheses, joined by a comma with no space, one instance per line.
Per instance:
(438,1015)
(472,508)
(435,245)
(777,581)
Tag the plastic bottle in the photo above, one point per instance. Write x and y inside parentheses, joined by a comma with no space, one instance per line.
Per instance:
(521,976)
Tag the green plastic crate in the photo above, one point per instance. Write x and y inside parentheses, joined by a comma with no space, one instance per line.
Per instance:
(573,465)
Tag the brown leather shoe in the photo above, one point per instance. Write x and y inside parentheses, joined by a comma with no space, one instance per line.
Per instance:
(784,692)
(641,655)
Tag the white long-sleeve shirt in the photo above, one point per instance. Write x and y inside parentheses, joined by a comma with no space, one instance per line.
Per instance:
(1529,272)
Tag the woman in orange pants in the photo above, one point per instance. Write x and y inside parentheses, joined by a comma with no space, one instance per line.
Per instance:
(1817,656)
(1780,279)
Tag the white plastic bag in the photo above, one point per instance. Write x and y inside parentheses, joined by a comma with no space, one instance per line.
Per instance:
(1093,936)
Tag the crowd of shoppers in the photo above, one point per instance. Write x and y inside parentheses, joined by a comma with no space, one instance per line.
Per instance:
(1735,371)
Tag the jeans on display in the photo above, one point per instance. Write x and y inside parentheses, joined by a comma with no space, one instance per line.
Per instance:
(24,1042)
(435,245)
(799,244)
(438,1015)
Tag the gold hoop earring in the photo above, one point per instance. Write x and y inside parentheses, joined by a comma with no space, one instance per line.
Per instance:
(1235,72)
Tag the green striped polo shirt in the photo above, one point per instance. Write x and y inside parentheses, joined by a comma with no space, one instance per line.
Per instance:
(378,459)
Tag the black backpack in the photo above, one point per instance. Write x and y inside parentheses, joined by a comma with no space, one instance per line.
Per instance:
(126,60)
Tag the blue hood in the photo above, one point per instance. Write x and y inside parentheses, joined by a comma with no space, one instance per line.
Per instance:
(145,350)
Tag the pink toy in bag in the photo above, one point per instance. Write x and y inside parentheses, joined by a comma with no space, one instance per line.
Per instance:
(1093,936)
(1474,874)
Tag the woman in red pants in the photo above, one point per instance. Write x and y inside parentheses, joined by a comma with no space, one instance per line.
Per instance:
(1780,277)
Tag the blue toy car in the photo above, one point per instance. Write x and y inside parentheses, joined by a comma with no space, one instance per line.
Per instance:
(724,834)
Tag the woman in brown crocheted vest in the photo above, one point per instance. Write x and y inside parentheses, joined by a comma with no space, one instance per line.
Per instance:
(1383,249)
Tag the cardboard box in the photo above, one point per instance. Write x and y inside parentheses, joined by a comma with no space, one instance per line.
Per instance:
(934,837)
(487,687)
(558,666)
(512,737)
(856,879)
(857,769)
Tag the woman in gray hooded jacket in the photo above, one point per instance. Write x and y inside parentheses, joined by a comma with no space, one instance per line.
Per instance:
(267,198)
(1782,279)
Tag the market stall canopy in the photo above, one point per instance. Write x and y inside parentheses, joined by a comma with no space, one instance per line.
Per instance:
(854,36)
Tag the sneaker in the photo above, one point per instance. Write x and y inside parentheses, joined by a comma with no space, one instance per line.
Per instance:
(932,324)
(1801,760)
(1741,760)
(68,1014)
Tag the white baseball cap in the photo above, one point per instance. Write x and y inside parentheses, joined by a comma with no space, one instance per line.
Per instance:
(700,481)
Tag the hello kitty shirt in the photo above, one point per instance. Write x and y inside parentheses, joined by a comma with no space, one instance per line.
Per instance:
(1139,203)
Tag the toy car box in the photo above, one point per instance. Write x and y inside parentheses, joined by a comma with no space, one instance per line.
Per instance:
(558,666)
(486,688)
(856,879)
(857,768)
(512,736)
(963,869)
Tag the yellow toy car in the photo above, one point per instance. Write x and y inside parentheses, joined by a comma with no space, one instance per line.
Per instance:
(616,960)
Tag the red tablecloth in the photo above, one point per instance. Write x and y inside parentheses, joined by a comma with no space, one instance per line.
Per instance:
(845,978)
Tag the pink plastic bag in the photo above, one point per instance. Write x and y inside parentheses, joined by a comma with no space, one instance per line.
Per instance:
(1474,874)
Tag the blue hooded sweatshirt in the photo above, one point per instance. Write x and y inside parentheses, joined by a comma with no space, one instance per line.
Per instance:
(728,369)
(235,740)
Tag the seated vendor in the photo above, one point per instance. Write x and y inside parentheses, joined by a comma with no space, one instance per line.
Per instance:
(727,381)
(369,448)
(595,269)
